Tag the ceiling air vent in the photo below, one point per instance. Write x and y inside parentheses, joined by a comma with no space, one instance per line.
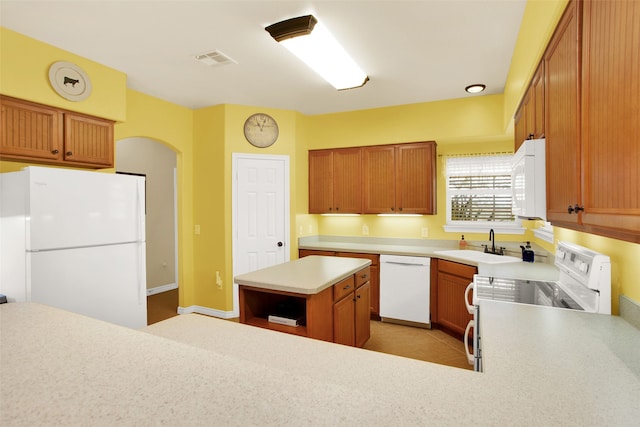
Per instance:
(215,58)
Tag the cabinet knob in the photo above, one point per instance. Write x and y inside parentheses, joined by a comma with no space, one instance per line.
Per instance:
(576,208)
(280,244)
(55,151)
(69,153)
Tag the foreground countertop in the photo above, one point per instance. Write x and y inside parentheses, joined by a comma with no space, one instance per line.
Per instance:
(542,367)
(309,275)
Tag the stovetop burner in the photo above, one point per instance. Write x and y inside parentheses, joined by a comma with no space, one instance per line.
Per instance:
(584,283)
(548,294)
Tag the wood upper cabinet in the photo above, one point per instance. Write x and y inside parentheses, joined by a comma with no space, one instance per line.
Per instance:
(592,127)
(30,131)
(335,181)
(611,119)
(88,140)
(400,178)
(529,119)
(562,117)
(40,134)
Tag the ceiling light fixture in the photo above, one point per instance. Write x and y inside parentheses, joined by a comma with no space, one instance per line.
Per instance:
(314,45)
(477,88)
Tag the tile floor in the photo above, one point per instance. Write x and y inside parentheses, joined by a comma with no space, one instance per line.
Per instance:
(430,345)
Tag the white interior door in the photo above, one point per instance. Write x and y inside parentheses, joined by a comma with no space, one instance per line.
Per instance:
(260,213)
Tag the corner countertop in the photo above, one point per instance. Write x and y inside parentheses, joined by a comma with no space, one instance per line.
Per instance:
(543,366)
(429,248)
(309,275)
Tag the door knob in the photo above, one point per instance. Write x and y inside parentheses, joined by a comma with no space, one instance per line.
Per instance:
(280,244)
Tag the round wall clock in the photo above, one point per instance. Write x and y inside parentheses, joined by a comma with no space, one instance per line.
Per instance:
(69,81)
(261,130)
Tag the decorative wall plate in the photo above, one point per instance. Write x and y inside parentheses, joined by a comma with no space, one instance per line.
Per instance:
(69,81)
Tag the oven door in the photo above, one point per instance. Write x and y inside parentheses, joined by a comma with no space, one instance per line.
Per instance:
(474,358)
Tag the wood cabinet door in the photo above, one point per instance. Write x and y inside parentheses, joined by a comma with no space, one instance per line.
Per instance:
(343,323)
(378,167)
(320,181)
(537,88)
(611,117)
(416,178)
(452,311)
(529,105)
(347,180)
(30,131)
(88,140)
(562,118)
(520,128)
(362,314)
(307,252)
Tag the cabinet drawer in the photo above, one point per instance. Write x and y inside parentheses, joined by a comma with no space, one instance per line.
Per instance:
(456,269)
(363,276)
(343,288)
(373,257)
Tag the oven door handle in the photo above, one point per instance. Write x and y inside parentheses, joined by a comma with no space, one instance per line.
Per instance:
(470,307)
(470,357)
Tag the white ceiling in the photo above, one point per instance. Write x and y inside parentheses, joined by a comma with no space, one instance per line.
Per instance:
(413,51)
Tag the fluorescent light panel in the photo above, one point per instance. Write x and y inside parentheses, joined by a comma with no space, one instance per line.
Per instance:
(315,46)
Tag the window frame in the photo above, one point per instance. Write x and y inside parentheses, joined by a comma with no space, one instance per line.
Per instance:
(510,227)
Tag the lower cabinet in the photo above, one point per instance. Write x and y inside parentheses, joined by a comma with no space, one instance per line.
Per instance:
(449,312)
(351,323)
(375,274)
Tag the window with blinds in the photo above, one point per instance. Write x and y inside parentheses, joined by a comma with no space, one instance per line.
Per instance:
(479,189)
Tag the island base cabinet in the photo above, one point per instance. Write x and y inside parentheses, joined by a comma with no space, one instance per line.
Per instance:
(311,311)
(351,311)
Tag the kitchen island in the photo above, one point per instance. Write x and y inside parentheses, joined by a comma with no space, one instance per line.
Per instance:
(319,297)
(543,367)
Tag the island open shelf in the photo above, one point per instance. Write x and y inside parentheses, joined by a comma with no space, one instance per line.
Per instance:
(313,311)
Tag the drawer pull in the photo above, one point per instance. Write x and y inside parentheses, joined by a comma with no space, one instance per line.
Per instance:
(346,287)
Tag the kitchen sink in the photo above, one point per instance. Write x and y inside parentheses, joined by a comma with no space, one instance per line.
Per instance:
(477,256)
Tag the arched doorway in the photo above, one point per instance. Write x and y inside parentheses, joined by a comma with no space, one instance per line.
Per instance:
(157,162)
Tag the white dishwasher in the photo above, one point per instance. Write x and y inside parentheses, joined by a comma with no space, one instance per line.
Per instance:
(404,288)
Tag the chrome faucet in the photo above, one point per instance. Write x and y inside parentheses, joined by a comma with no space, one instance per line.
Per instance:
(492,239)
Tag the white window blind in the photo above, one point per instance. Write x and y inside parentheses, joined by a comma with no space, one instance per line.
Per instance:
(479,189)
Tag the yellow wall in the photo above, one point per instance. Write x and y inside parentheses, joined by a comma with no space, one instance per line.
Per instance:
(171,125)
(25,67)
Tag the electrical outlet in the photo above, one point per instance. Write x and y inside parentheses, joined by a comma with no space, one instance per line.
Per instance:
(218,280)
(424,232)
(300,231)
(365,230)
(310,229)
(197,228)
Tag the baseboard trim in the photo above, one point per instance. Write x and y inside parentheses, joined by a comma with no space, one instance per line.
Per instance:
(206,311)
(163,288)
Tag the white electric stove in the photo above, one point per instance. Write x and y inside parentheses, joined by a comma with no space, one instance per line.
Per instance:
(584,284)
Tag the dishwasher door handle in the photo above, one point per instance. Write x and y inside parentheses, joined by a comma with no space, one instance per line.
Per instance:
(404,263)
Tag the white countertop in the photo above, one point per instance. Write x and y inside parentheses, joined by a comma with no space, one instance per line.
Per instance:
(430,248)
(542,367)
(309,275)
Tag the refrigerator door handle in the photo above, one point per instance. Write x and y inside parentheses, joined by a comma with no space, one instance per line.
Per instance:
(140,199)
(142,285)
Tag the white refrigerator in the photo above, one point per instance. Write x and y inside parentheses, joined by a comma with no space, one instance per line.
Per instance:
(75,240)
